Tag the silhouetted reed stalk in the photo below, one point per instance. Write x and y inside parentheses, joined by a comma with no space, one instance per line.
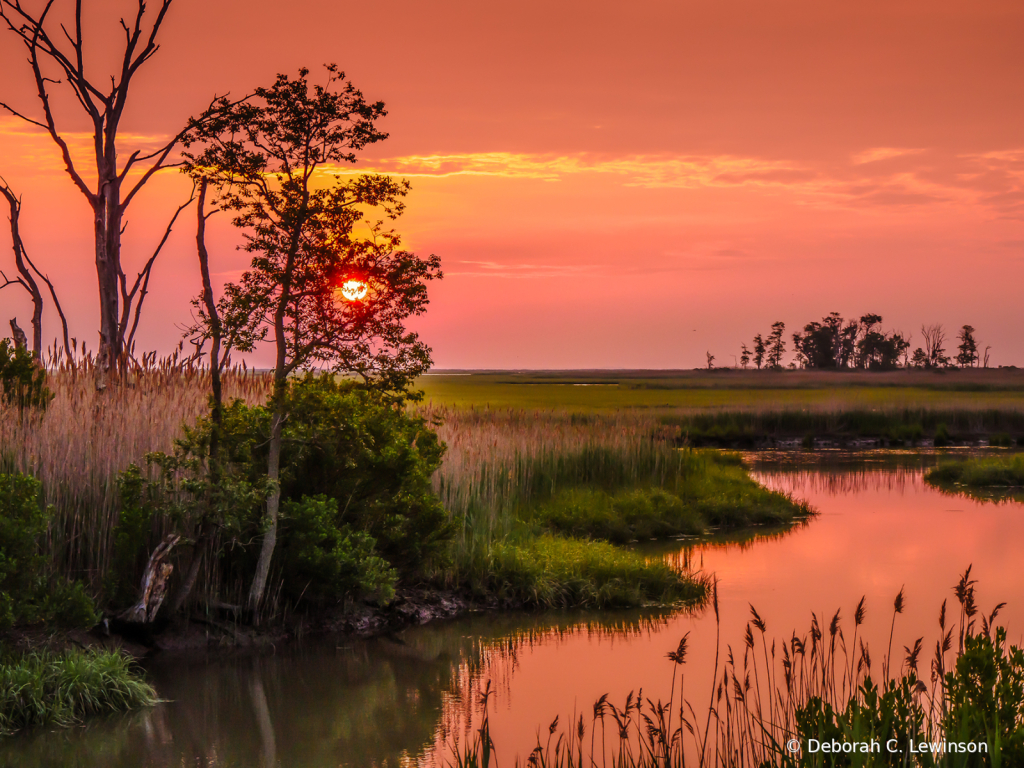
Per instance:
(814,674)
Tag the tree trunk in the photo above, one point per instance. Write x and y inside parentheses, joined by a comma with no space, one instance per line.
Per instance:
(259,581)
(206,525)
(20,339)
(106,210)
(154,584)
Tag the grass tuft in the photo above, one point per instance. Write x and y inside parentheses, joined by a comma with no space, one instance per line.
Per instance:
(987,472)
(43,688)
(554,572)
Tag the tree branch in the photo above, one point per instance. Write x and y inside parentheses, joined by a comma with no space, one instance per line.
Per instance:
(145,273)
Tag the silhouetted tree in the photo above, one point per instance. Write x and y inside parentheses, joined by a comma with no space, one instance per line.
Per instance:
(744,356)
(776,345)
(25,278)
(968,349)
(877,350)
(934,353)
(759,350)
(711,360)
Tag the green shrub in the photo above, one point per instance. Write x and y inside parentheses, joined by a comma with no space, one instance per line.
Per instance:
(1002,440)
(22,522)
(986,696)
(27,594)
(873,715)
(357,505)
(22,379)
(942,437)
(360,447)
(328,557)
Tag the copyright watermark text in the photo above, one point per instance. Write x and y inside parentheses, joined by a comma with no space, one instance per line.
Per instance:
(835,746)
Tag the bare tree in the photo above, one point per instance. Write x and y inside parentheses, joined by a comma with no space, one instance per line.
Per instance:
(25,277)
(53,47)
(934,345)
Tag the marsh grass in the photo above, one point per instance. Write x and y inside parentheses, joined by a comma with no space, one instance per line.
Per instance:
(708,491)
(818,685)
(553,572)
(894,425)
(511,476)
(85,437)
(984,472)
(45,688)
(500,466)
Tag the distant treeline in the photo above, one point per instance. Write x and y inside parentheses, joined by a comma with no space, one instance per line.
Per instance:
(860,344)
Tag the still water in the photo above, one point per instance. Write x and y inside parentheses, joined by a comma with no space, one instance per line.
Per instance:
(397,700)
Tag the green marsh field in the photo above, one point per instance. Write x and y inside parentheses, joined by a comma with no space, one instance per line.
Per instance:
(700,391)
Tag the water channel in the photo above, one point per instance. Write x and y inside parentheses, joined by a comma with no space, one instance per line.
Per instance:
(393,701)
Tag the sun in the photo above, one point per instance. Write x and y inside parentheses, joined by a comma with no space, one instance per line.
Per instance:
(354,290)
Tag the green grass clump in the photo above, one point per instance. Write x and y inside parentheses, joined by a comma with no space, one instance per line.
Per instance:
(643,513)
(718,487)
(554,572)
(42,688)
(697,489)
(988,472)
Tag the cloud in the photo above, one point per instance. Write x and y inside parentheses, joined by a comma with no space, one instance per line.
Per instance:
(497,269)
(875,154)
(682,171)
(994,180)
(32,147)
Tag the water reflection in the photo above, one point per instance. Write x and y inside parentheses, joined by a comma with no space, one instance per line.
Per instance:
(377,702)
(393,701)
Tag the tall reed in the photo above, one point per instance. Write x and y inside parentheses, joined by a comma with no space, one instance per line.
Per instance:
(771,696)
(498,460)
(77,446)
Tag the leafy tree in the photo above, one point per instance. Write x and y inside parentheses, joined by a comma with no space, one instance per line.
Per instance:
(759,351)
(968,349)
(776,345)
(815,347)
(263,157)
(744,356)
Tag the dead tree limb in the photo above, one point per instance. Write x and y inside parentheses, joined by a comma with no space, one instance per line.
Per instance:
(25,279)
(52,45)
(154,584)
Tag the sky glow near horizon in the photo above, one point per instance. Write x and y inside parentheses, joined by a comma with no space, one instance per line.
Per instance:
(607,188)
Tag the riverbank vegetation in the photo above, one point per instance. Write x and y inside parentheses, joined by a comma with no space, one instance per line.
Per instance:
(49,688)
(510,476)
(369,504)
(988,477)
(886,427)
(765,708)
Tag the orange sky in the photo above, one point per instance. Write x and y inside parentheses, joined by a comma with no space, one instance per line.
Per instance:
(612,184)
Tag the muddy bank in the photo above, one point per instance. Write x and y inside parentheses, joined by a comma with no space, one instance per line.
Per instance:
(217,630)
